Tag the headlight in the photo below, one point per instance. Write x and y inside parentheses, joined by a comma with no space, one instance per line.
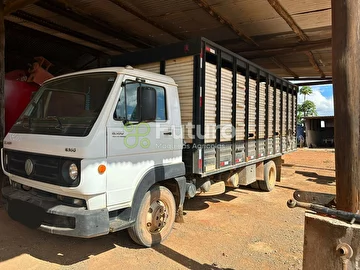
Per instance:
(73,171)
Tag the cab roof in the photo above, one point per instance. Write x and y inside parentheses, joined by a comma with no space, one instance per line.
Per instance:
(128,70)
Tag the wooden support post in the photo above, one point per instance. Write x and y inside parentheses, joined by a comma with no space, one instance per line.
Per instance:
(346,80)
(3,178)
(2,73)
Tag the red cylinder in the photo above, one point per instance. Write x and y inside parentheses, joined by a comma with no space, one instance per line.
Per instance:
(17,96)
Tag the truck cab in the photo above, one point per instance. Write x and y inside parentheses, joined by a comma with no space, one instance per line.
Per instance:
(98,151)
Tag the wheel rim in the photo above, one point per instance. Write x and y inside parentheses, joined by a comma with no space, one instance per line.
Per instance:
(157,216)
(272,176)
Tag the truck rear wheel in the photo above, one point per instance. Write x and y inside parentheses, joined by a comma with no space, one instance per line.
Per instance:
(156,217)
(269,176)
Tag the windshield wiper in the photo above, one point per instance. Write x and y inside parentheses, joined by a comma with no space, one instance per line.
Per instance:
(54,117)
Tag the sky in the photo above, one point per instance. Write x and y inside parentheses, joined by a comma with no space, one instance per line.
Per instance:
(323,98)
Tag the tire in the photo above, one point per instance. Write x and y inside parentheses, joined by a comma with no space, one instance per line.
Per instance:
(269,177)
(255,185)
(4,182)
(155,218)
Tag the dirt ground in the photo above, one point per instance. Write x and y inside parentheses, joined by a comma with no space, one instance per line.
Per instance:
(241,229)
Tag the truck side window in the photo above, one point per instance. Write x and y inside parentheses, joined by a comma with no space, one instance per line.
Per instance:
(126,106)
(120,112)
(161,103)
(128,96)
(131,101)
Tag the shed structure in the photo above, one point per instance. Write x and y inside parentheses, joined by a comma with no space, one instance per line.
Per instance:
(319,131)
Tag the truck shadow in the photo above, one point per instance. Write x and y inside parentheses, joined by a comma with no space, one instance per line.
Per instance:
(306,167)
(319,179)
(201,202)
(16,239)
(185,261)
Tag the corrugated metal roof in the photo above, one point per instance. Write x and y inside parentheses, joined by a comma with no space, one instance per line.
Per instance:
(159,22)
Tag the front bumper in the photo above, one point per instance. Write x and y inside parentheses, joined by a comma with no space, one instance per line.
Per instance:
(48,214)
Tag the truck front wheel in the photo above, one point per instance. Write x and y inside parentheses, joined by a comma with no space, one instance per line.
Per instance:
(155,218)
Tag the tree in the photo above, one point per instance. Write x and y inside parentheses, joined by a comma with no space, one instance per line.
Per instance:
(308,108)
(306,91)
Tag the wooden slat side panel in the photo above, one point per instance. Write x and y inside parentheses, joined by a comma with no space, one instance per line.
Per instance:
(271,123)
(261,145)
(226,105)
(290,123)
(210,103)
(251,149)
(283,122)
(285,114)
(271,113)
(252,107)
(262,110)
(209,159)
(240,107)
(226,155)
(153,67)
(294,117)
(278,111)
(240,152)
(278,121)
(182,71)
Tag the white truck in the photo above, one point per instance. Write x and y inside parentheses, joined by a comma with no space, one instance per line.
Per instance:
(115,148)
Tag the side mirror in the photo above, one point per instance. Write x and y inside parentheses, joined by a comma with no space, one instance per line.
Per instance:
(147,101)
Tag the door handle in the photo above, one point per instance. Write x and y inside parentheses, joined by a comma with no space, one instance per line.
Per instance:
(167,133)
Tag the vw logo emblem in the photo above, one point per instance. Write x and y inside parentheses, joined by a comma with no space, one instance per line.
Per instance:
(29,166)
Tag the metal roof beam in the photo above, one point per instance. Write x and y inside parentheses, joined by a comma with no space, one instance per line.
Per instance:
(288,19)
(284,50)
(13,6)
(205,6)
(11,26)
(315,63)
(88,63)
(296,28)
(68,10)
(283,66)
(146,19)
(318,32)
(308,79)
(48,24)
(320,82)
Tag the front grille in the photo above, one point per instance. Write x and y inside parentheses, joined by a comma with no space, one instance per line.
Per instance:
(46,168)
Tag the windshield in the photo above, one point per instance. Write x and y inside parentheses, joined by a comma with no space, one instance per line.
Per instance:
(67,106)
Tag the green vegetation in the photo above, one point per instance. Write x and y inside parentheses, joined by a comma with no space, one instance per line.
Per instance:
(307,108)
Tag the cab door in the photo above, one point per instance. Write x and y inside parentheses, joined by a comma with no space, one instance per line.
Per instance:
(134,147)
